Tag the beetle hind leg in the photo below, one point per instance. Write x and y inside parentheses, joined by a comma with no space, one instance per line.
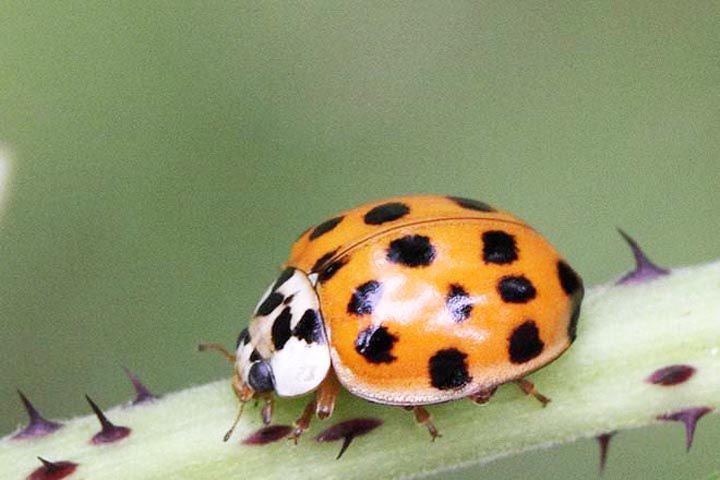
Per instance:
(423,417)
(528,388)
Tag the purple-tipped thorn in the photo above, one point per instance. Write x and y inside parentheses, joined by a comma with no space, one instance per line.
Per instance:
(671,375)
(270,434)
(142,394)
(347,431)
(689,417)
(604,443)
(645,270)
(52,470)
(38,426)
(109,432)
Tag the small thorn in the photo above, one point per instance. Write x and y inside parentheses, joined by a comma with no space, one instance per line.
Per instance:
(142,394)
(671,375)
(347,431)
(109,432)
(37,426)
(266,435)
(689,417)
(52,470)
(604,442)
(645,270)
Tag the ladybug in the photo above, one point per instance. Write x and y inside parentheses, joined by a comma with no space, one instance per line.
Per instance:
(408,301)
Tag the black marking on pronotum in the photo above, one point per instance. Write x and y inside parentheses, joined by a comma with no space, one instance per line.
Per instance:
(411,251)
(471,204)
(331,269)
(499,247)
(269,434)
(109,432)
(52,470)
(260,377)
(689,417)
(280,330)
(38,426)
(325,227)
(270,303)
(448,369)
(375,344)
(459,303)
(516,289)
(310,328)
(142,393)
(525,343)
(284,277)
(387,212)
(671,375)
(320,263)
(604,444)
(347,431)
(243,338)
(645,270)
(364,298)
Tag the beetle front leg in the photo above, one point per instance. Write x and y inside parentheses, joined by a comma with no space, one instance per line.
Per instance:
(323,404)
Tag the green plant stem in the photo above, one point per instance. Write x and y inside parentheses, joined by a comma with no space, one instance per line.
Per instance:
(625,333)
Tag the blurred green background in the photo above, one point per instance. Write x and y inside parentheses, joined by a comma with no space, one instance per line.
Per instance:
(164,156)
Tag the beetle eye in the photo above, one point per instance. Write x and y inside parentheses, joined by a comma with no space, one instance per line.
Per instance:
(260,377)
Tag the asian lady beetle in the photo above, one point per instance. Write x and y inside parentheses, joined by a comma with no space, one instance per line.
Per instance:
(408,301)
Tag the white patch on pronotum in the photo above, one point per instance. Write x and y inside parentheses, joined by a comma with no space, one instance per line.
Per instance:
(286,345)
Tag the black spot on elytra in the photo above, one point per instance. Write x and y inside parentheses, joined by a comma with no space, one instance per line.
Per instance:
(364,298)
(270,303)
(516,289)
(386,212)
(572,285)
(499,247)
(574,317)
(320,263)
(255,356)
(569,280)
(471,204)
(448,369)
(459,303)
(309,328)
(525,343)
(281,328)
(325,227)
(260,377)
(331,269)
(375,344)
(411,251)
(284,277)
(243,338)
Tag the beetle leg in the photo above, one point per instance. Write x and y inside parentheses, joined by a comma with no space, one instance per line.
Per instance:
(322,404)
(326,395)
(483,396)
(423,417)
(528,388)
(204,347)
(267,410)
(303,423)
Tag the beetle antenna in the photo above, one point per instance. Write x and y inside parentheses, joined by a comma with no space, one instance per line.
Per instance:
(237,419)
(204,347)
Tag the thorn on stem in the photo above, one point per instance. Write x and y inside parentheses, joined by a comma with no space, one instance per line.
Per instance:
(37,426)
(142,394)
(347,431)
(604,443)
(52,470)
(266,435)
(109,432)
(645,270)
(689,417)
